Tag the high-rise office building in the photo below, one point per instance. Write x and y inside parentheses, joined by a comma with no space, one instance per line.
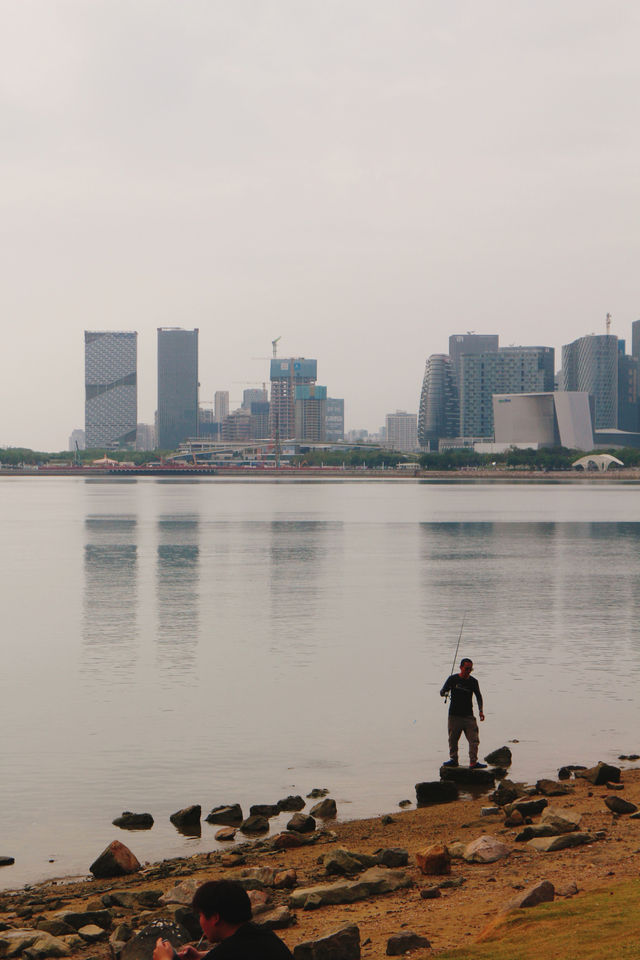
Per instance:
(628,392)
(177,386)
(220,405)
(334,421)
(635,339)
(463,344)
(286,375)
(310,412)
(401,431)
(590,365)
(145,437)
(259,419)
(253,396)
(508,370)
(439,413)
(111,389)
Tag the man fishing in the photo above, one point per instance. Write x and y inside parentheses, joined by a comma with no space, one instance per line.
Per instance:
(463,687)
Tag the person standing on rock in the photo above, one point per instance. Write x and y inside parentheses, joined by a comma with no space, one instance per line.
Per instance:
(463,687)
(224,910)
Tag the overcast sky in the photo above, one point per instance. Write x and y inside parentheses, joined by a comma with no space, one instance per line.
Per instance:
(361,178)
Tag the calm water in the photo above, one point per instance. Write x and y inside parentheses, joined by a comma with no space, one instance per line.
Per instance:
(168,642)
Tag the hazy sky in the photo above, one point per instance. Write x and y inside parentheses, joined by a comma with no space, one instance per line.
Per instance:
(361,178)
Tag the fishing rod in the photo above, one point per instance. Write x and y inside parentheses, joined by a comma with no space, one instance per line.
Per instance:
(455,656)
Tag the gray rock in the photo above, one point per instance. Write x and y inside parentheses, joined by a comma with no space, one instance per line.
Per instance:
(57,928)
(451,882)
(276,919)
(500,757)
(343,944)
(485,850)
(506,792)
(141,946)
(13,942)
(131,899)
(187,817)
(552,788)
(599,774)
(341,862)
(430,893)
(569,890)
(134,821)
(47,946)
(542,892)
(400,943)
(116,860)
(81,918)
(325,810)
(392,857)
(7,861)
(255,824)
(182,893)
(479,778)
(122,933)
(292,803)
(264,810)
(301,823)
(549,844)
(226,816)
(404,803)
(375,881)
(92,933)
(528,808)
(435,791)
(318,792)
(489,811)
(618,805)
(537,830)
(561,820)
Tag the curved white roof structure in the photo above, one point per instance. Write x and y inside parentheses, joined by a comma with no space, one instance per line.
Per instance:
(597,461)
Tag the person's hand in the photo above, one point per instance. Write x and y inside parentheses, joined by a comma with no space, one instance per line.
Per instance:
(163,950)
(189,953)
(482,716)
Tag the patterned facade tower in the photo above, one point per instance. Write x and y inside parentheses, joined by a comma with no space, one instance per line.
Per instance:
(111,389)
(439,413)
(590,364)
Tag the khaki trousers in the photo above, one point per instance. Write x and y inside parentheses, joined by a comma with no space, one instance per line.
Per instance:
(468,726)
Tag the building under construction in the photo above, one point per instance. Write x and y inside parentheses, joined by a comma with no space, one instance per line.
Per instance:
(286,375)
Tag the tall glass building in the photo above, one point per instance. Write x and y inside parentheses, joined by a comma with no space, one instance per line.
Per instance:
(111,389)
(177,386)
(439,413)
(590,364)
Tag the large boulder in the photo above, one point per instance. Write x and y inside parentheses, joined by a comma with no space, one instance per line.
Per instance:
(116,860)
(291,839)
(399,943)
(561,820)
(344,944)
(541,892)
(134,821)
(392,857)
(618,805)
(341,862)
(553,788)
(473,776)
(375,881)
(276,918)
(599,774)
(500,757)
(255,824)
(227,816)
(141,946)
(434,860)
(264,810)
(485,849)
(291,803)
(82,918)
(324,810)
(506,792)
(528,808)
(13,942)
(435,791)
(301,823)
(187,817)
(182,893)
(48,946)
(550,844)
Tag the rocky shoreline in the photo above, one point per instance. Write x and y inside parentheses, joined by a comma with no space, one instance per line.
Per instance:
(425,879)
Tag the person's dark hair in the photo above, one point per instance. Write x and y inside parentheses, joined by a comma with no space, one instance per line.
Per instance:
(224,897)
(465,660)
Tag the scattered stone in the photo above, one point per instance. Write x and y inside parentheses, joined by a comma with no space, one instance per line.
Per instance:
(325,810)
(434,860)
(291,803)
(301,823)
(386,820)
(78,919)
(47,946)
(635,816)
(542,892)
(549,844)
(225,834)
(551,788)
(451,882)
(569,890)
(599,774)
(536,830)
(373,882)
(489,811)
(318,792)
(133,898)
(528,808)
(122,933)
(514,819)
(14,942)
(561,820)
(260,901)
(472,775)
(500,757)
(182,893)
(264,810)
(56,927)
(506,792)
(141,946)
(430,893)
(227,816)
(276,919)
(564,773)
(7,861)
(400,943)
(618,805)
(287,841)
(392,857)
(92,933)
(436,791)
(343,944)
(232,859)
(133,821)
(456,849)
(255,824)
(285,879)
(614,786)
(485,850)
(404,803)
(187,817)
(341,862)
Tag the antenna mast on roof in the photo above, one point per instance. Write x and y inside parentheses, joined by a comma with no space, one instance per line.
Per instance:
(607,321)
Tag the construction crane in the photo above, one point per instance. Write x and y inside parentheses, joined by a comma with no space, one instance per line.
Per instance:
(274,344)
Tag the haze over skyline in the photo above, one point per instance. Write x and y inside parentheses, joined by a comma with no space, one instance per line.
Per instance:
(362,179)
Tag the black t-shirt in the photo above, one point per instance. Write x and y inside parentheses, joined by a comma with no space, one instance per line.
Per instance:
(250,942)
(462,692)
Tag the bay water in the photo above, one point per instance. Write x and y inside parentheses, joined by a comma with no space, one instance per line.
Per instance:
(176,641)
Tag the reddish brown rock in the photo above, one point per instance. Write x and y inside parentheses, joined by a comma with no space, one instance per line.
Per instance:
(434,860)
(226,833)
(116,861)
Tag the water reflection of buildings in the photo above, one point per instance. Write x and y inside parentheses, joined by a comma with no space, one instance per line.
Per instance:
(177,592)
(110,592)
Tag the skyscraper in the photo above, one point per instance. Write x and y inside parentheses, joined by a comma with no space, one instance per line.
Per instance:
(220,405)
(508,370)
(401,430)
(111,389)
(335,418)
(310,412)
(177,386)
(439,414)
(286,375)
(590,364)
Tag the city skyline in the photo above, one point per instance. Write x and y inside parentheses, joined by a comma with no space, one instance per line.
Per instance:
(355,178)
